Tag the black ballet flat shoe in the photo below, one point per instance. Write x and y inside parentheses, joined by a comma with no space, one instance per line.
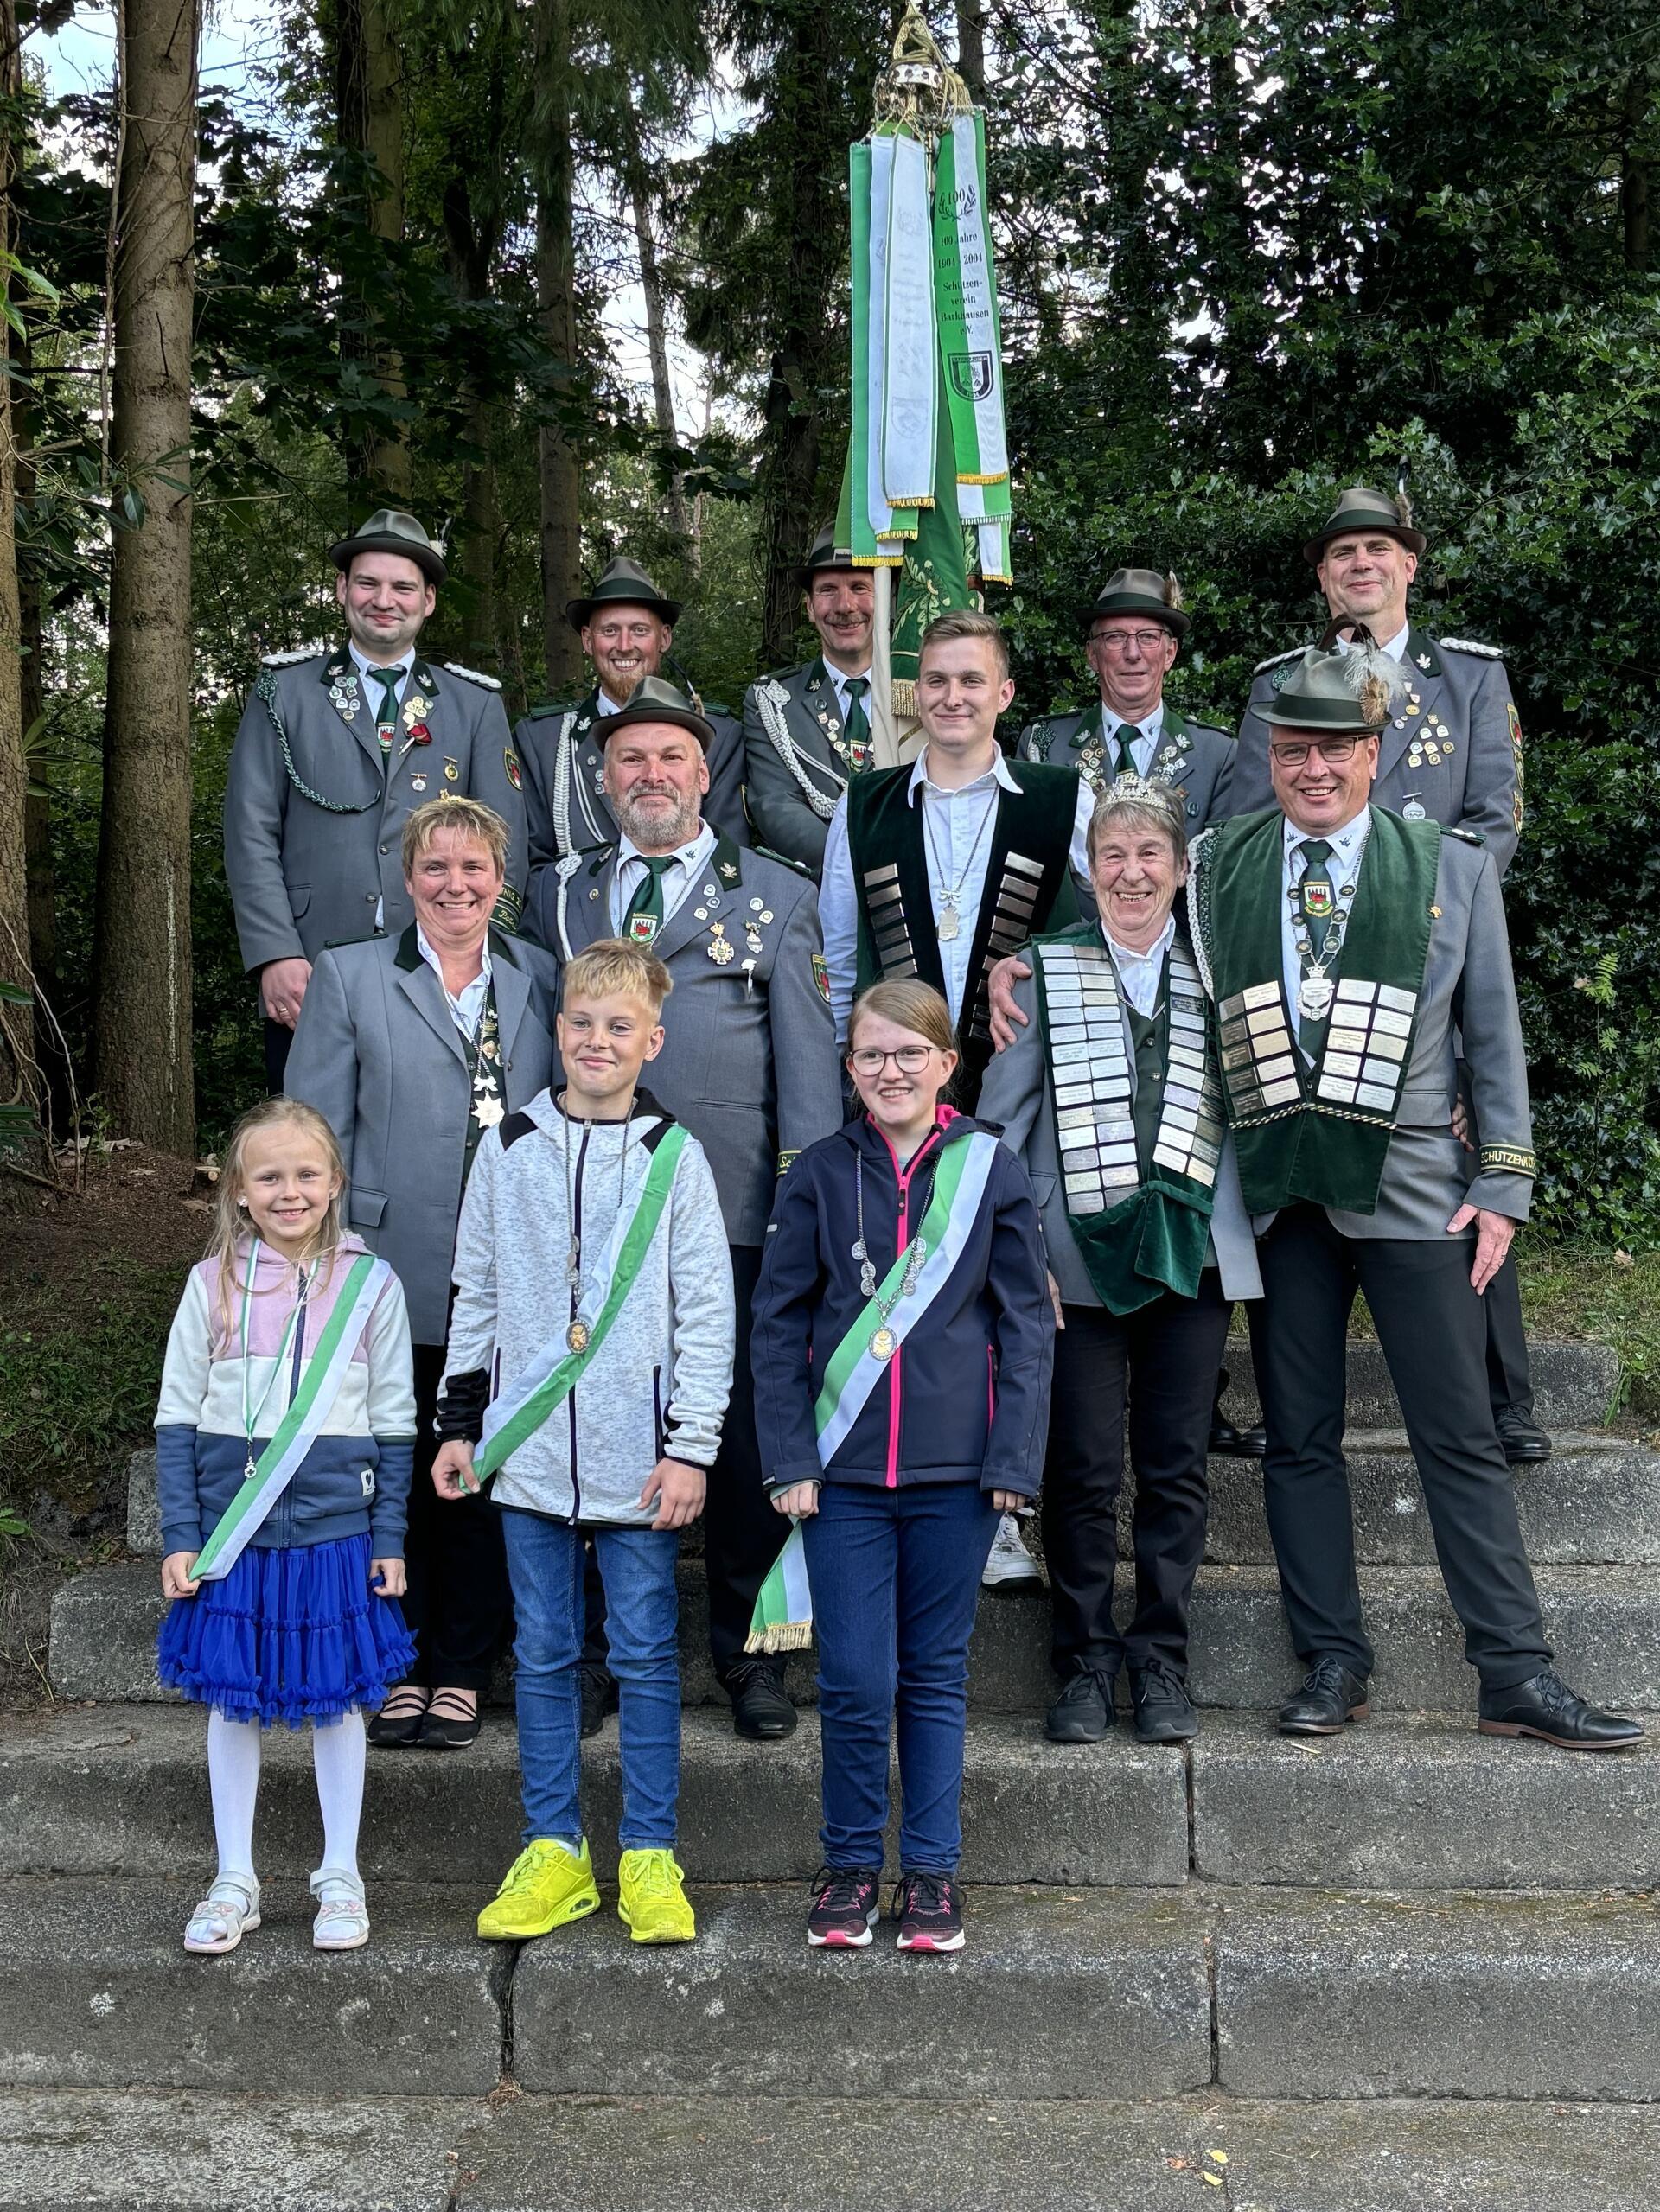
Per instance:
(450,1731)
(398,1732)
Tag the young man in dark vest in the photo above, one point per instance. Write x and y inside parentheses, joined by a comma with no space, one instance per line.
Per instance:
(1346,948)
(939,869)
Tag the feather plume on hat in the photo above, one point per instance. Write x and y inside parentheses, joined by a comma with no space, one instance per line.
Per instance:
(1376,677)
(1173,591)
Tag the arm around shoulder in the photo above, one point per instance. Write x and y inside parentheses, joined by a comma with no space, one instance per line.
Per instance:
(700,1290)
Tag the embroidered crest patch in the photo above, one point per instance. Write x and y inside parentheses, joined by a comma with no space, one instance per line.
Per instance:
(510,761)
(821,976)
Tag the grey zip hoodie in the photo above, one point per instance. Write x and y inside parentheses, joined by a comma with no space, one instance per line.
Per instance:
(659,1382)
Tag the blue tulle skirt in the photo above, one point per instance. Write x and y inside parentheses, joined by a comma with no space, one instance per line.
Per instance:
(290,1635)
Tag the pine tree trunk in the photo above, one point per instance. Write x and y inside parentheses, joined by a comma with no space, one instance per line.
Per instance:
(369,118)
(141,1004)
(557,301)
(1635,178)
(20,1083)
(651,285)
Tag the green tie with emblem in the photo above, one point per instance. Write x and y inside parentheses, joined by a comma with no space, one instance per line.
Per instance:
(1316,905)
(857,728)
(386,722)
(1124,737)
(645,915)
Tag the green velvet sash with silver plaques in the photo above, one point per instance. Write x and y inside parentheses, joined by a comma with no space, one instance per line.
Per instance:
(1138,1235)
(1319,1132)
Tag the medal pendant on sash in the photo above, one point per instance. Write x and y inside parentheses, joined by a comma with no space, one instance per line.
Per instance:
(884,1343)
(1314,997)
(950,924)
(576,1336)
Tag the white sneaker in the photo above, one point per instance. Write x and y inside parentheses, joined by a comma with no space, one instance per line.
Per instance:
(1010,1561)
(342,1921)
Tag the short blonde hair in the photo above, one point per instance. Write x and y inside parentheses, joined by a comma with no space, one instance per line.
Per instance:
(1146,808)
(469,818)
(968,621)
(908,1004)
(613,968)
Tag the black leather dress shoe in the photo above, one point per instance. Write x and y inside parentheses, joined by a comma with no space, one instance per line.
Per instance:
(1163,1711)
(1547,1708)
(1330,1696)
(761,1712)
(1084,1712)
(1520,1439)
(598,1696)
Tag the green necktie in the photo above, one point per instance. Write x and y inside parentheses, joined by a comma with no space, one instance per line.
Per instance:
(857,728)
(386,722)
(1317,904)
(1124,738)
(645,915)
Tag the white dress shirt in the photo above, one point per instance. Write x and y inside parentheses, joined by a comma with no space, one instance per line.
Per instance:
(1143,747)
(957,854)
(1395,647)
(689,862)
(372,691)
(1141,973)
(1348,847)
(467,1005)
(841,680)
(604,704)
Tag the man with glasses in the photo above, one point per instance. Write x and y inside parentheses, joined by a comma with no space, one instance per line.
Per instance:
(1450,752)
(627,626)
(807,731)
(1133,632)
(1347,948)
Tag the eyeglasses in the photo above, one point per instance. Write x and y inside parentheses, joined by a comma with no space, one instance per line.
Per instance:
(1334,751)
(911,1059)
(1121,640)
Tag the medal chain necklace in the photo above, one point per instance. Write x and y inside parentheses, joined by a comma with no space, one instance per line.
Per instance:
(882,1341)
(576,1336)
(1316,990)
(950,921)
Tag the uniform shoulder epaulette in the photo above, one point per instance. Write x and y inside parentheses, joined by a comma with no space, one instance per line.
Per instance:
(292,660)
(1275,659)
(474,676)
(1215,729)
(1456,829)
(795,867)
(543,708)
(1470,645)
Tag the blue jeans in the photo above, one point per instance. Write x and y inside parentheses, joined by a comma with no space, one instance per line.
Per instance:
(894,1575)
(637,1567)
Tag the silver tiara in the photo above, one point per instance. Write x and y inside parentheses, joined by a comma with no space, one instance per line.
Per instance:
(1132,790)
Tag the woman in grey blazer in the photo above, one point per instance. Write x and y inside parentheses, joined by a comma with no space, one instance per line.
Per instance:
(410,1046)
(1112,1095)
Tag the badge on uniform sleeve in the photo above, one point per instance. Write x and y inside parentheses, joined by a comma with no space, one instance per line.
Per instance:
(1515,729)
(510,761)
(821,976)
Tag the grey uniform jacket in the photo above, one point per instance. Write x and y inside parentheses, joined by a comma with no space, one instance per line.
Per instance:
(1016,1098)
(1454,747)
(377,1052)
(565,804)
(796,761)
(303,874)
(750,1061)
(1195,756)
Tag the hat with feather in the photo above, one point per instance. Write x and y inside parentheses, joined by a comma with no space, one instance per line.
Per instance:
(1350,692)
(1363,507)
(1140,591)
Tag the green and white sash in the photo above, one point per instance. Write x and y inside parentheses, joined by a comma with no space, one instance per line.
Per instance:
(550,1376)
(299,1430)
(782,1620)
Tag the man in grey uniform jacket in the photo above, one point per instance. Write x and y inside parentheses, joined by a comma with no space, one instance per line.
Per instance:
(334,751)
(807,731)
(627,626)
(749,1065)
(1450,752)
(1347,950)
(1133,632)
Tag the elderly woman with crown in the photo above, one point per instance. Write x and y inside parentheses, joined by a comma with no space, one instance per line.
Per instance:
(1112,1094)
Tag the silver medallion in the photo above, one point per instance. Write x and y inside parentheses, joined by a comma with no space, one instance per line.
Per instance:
(1314,997)
(950,923)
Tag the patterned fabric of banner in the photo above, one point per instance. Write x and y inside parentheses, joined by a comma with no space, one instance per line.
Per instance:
(965,294)
(868,512)
(909,338)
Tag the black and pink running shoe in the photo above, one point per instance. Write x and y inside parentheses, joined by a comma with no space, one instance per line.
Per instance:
(847,1902)
(929,1908)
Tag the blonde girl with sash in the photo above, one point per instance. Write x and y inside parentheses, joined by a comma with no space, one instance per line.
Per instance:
(902,1349)
(283,1438)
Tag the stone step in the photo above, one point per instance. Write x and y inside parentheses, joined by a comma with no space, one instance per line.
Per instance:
(1257,1992)
(1575,1384)
(123,1792)
(1606,1622)
(76,2150)
(1598,1500)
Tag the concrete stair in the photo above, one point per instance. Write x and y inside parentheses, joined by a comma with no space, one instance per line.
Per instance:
(1405,1968)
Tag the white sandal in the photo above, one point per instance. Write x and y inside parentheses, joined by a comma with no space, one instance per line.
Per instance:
(228,1912)
(342,1921)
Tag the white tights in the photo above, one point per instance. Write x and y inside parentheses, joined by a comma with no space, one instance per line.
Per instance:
(339,1750)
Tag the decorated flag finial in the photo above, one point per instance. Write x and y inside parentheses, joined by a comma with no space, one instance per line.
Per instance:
(919,88)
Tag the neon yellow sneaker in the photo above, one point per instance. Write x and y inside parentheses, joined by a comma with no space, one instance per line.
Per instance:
(653,1906)
(545,1887)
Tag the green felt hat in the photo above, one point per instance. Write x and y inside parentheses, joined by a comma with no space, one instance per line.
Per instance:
(653,698)
(625,582)
(1362,506)
(1335,694)
(824,553)
(1141,591)
(389,530)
